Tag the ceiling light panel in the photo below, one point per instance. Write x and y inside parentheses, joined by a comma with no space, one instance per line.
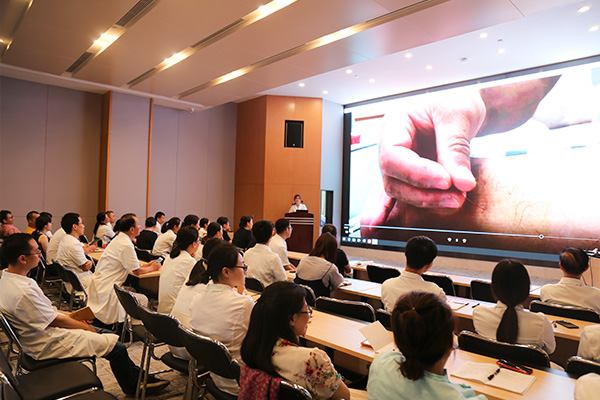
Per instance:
(54,34)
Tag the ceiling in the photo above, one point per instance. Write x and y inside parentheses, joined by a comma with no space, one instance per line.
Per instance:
(231,56)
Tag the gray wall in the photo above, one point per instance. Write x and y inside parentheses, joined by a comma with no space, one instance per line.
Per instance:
(50,155)
(331,156)
(49,150)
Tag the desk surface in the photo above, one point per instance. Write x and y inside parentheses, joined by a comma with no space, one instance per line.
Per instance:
(373,290)
(326,329)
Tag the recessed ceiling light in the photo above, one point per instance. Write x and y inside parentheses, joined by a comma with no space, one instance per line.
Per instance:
(301,84)
(483,35)
(501,51)
(408,55)
(594,28)
(325,92)
(348,71)
(371,80)
(428,67)
(583,9)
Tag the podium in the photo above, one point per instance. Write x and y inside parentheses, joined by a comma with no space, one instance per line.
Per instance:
(302,235)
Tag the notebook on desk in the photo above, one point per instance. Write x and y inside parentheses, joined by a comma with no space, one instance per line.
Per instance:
(486,373)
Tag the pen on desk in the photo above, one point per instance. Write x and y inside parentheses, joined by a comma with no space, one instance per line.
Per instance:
(474,305)
(494,374)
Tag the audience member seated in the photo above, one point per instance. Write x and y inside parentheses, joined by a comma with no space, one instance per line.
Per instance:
(589,343)
(224,221)
(213,231)
(262,262)
(47,214)
(279,318)
(160,220)
(508,321)
(52,252)
(423,327)
(177,267)
(318,269)
(571,290)
(115,264)
(43,225)
(31,217)
(195,284)
(191,220)
(420,252)
(46,333)
(243,237)
(70,251)
(278,243)
(7,228)
(103,229)
(587,387)
(341,260)
(164,243)
(203,227)
(148,236)
(221,311)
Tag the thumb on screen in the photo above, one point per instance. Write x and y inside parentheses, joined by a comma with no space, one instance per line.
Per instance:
(453,152)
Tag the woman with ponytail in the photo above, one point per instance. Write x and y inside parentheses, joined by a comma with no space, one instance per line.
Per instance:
(213,230)
(177,267)
(508,321)
(164,243)
(102,229)
(222,310)
(423,327)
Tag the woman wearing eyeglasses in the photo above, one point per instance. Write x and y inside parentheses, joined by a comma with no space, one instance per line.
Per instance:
(222,311)
(272,345)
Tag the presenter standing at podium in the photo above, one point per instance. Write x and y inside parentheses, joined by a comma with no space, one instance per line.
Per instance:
(298,205)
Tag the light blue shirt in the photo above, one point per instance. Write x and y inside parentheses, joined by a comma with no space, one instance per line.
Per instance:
(387,382)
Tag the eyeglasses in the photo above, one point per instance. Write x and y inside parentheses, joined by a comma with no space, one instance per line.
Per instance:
(37,253)
(309,312)
(244,267)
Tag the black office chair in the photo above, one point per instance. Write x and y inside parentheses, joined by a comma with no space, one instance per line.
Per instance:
(213,356)
(310,295)
(50,383)
(385,318)
(7,392)
(27,363)
(580,366)
(346,308)
(524,354)
(77,287)
(381,274)
(317,286)
(145,255)
(580,313)
(291,391)
(60,271)
(254,284)
(443,281)
(482,290)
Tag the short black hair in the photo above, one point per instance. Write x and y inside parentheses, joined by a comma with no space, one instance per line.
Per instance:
(4,215)
(574,260)
(125,223)
(204,221)
(244,221)
(68,220)
(420,251)
(47,214)
(41,222)
(281,225)
(30,214)
(329,228)
(262,231)
(159,214)
(150,222)
(190,220)
(15,246)
(223,220)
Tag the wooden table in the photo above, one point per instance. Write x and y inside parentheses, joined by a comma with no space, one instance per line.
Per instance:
(341,334)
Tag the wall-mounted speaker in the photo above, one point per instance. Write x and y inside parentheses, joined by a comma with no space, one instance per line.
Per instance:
(294,134)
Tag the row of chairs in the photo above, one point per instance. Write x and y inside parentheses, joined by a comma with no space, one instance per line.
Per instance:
(208,355)
(381,274)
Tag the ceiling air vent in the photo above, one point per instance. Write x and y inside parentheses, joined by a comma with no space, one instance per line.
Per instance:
(83,58)
(134,12)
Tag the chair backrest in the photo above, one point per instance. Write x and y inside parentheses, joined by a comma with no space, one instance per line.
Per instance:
(7,392)
(443,281)
(525,354)
(385,318)
(128,301)
(310,295)
(145,255)
(9,332)
(318,288)
(381,274)
(580,366)
(291,391)
(482,290)
(254,284)
(6,370)
(580,313)
(346,308)
(60,270)
(162,326)
(210,354)
(74,280)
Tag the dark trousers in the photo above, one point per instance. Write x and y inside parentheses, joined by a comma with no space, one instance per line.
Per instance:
(124,370)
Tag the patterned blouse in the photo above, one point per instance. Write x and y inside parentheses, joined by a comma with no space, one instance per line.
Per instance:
(310,368)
